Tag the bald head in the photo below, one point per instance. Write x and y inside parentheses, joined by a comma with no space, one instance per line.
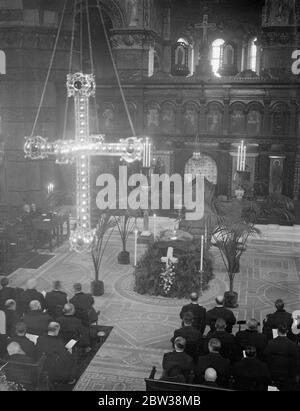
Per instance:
(35,305)
(14,348)
(219,300)
(31,284)
(252,324)
(194,297)
(53,328)
(180,343)
(69,309)
(10,305)
(210,375)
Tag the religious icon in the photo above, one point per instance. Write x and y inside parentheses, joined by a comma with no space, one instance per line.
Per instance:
(190,120)
(279,122)
(168,120)
(132,11)
(214,120)
(276,175)
(152,118)
(180,55)
(253,122)
(160,167)
(237,122)
(279,12)
(228,55)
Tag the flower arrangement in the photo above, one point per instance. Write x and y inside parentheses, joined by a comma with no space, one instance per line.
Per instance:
(167,278)
(152,278)
(6,385)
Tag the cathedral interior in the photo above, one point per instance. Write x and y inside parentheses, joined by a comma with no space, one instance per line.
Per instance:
(210,88)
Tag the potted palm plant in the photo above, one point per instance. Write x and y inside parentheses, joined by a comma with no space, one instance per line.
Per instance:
(125,224)
(230,237)
(103,233)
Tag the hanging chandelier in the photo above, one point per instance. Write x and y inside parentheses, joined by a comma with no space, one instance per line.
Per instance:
(81,87)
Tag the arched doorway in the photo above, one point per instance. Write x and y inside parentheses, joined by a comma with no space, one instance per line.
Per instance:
(205,165)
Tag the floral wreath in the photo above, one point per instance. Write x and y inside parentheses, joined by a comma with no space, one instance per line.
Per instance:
(167,277)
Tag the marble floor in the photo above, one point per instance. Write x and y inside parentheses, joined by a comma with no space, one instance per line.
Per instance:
(143,325)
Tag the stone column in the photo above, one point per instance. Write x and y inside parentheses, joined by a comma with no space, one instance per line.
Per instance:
(293,117)
(202,125)
(226,119)
(266,118)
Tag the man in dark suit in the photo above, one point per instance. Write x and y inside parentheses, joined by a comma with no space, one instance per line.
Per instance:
(179,358)
(55,300)
(210,378)
(190,334)
(71,327)
(198,311)
(279,317)
(11,317)
(220,312)
(60,364)
(213,360)
(20,337)
(282,356)
(250,373)
(228,344)
(3,345)
(31,294)
(251,338)
(36,320)
(6,293)
(83,303)
(15,353)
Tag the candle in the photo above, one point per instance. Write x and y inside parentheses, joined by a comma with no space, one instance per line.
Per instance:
(135,246)
(244,159)
(50,188)
(154,226)
(239,159)
(205,233)
(201,256)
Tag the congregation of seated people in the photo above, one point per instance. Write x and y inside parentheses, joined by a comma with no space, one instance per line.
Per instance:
(227,356)
(41,325)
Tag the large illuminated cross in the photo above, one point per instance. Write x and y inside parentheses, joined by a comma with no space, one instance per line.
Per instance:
(82,87)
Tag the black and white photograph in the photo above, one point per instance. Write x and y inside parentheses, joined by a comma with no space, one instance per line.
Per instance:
(150,199)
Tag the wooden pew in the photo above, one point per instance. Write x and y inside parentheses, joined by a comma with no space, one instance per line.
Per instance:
(159,385)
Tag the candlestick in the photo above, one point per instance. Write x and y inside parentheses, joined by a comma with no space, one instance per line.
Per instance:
(50,188)
(154,226)
(201,257)
(135,247)
(244,159)
(239,158)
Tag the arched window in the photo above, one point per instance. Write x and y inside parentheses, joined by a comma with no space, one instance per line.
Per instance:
(252,54)
(216,55)
(2,62)
(182,58)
